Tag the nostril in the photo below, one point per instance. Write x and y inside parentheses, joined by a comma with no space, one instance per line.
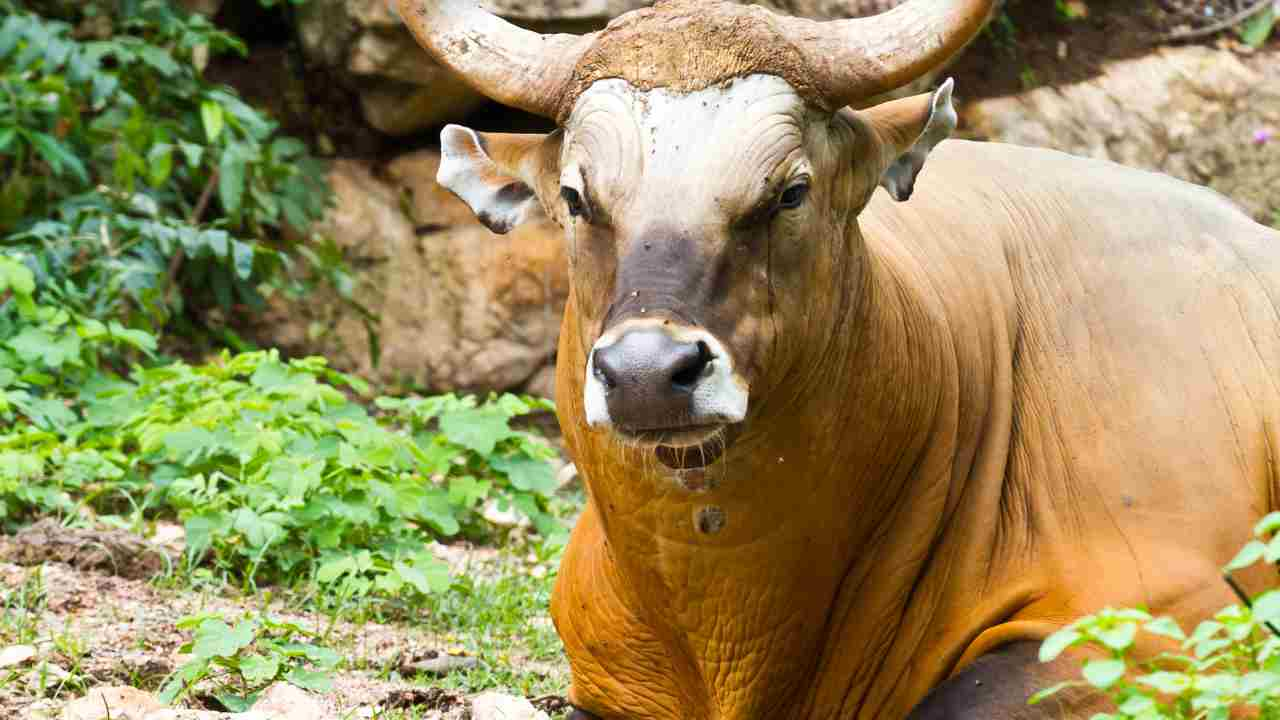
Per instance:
(692,368)
(603,373)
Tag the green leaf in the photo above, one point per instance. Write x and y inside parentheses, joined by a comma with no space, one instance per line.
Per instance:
(1167,627)
(231,179)
(1266,607)
(214,638)
(1102,674)
(160,162)
(427,575)
(477,429)
(1268,524)
(211,117)
(158,58)
(259,669)
(314,681)
(1255,31)
(1119,637)
(242,254)
(526,473)
(1249,554)
(7,134)
(57,155)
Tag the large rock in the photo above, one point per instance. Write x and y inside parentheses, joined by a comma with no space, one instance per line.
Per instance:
(363,43)
(1194,112)
(459,307)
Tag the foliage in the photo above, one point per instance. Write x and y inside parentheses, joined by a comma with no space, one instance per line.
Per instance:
(114,150)
(241,660)
(1255,31)
(1228,665)
(275,473)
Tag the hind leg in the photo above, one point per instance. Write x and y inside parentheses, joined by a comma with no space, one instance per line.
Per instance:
(996,687)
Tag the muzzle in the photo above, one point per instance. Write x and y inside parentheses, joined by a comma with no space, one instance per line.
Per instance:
(654,376)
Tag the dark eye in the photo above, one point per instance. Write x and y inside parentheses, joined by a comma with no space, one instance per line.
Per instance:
(793,196)
(573,200)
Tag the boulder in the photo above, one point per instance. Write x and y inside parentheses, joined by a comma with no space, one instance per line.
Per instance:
(402,90)
(458,307)
(1198,113)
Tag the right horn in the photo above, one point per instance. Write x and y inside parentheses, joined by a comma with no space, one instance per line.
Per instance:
(506,63)
(858,58)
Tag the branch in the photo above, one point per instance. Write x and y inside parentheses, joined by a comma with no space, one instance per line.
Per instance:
(175,262)
(1221,25)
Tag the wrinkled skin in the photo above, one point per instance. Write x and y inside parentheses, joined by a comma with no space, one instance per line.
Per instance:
(1041,386)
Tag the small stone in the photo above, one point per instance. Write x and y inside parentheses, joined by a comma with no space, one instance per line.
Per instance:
(498,706)
(289,701)
(17,655)
(115,702)
(441,664)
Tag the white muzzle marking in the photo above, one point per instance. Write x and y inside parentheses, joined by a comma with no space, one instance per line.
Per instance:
(718,398)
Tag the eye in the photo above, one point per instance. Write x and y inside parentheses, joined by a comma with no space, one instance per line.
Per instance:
(573,200)
(793,196)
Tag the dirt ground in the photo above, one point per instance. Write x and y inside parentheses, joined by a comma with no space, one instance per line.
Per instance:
(92,627)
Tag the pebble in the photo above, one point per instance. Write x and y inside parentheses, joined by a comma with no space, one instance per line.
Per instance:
(498,706)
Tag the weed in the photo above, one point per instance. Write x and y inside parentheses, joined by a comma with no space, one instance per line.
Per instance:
(239,661)
(1229,666)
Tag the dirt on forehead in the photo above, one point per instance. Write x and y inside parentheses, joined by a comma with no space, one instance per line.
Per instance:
(691,45)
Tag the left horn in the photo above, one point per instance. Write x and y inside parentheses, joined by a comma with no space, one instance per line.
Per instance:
(855,59)
(509,64)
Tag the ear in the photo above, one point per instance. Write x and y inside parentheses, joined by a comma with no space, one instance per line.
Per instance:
(494,173)
(908,130)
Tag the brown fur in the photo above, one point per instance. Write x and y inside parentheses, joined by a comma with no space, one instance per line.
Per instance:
(656,47)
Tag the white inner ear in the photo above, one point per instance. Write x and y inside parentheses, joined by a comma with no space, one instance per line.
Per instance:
(900,177)
(500,201)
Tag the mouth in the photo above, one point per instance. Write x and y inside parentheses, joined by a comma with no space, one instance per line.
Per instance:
(685,448)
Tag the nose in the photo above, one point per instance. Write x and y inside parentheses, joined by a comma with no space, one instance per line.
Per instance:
(650,378)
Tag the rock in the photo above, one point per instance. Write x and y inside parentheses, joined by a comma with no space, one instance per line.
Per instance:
(15,655)
(1192,112)
(402,90)
(103,549)
(497,706)
(289,701)
(114,702)
(439,664)
(459,308)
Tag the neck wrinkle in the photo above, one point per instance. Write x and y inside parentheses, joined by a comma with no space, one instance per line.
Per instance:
(901,380)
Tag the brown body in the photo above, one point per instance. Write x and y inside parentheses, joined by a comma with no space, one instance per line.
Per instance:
(1058,393)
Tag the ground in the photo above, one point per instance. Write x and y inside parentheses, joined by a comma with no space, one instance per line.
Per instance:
(92,627)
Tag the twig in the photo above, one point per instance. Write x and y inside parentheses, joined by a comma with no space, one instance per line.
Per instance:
(1188,33)
(1244,598)
(175,262)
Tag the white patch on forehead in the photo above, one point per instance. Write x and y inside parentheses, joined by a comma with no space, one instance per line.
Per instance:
(727,141)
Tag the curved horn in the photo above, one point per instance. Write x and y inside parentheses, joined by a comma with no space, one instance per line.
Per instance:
(509,64)
(861,57)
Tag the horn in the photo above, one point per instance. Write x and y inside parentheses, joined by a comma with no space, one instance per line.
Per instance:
(860,57)
(514,66)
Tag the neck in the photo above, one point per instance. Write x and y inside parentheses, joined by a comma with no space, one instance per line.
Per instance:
(807,510)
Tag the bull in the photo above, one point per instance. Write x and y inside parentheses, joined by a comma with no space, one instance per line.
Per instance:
(853,453)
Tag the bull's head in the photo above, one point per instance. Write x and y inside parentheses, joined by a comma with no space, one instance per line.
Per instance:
(709,176)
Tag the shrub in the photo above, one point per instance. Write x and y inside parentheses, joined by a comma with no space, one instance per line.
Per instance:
(128,183)
(1229,664)
(276,474)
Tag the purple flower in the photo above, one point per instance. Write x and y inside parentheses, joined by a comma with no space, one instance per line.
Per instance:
(1262,136)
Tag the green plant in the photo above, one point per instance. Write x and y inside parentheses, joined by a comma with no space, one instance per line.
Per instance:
(115,153)
(277,475)
(238,661)
(1228,665)
(21,608)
